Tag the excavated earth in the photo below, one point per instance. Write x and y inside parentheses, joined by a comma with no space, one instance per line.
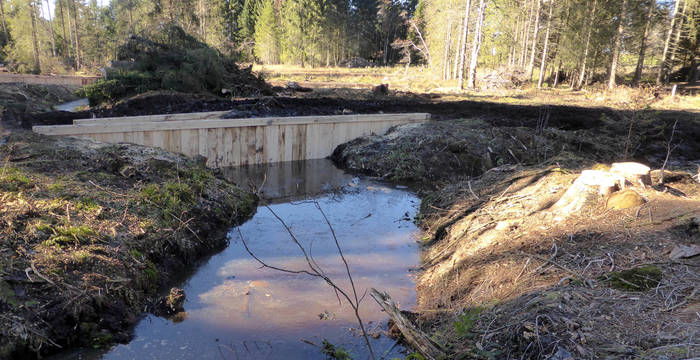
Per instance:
(505,272)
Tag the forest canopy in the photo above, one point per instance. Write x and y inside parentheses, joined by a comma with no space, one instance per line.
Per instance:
(578,41)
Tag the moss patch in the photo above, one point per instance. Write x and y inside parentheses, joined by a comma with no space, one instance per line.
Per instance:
(637,279)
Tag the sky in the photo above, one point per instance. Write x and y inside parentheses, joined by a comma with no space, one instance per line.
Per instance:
(45,6)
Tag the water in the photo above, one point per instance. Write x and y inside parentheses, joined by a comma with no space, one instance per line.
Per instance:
(72,105)
(236,310)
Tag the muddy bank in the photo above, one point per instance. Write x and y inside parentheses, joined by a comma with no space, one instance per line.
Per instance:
(91,231)
(511,269)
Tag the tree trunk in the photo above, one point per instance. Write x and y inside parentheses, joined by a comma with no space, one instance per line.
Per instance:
(526,36)
(476,46)
(446,58)
(4,24)
(662,67)
(587,46)
(546,43)
(63,20)
(531,66)
(617,45)
(463,48)
(674,50)
(53,35)
(77,36)
(643,46)
(35,45)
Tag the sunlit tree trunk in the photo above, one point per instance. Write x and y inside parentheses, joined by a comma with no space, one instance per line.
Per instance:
(531,65)
(617,45)
(463,48)
(526,35)
(582,74)
(476,46)
(643,46)
(662,67)
(76,32)
(446,57)
(35,44)
(676,42)
(53,35)
(543,62)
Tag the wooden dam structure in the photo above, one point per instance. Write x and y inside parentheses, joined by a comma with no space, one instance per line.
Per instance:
(235,142)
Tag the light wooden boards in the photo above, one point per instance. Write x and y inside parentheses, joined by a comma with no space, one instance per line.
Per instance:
(233,142)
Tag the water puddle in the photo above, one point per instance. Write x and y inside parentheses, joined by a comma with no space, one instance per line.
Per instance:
(237,310)
(72,105)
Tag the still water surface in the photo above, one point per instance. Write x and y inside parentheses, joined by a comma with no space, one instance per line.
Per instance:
(237,310)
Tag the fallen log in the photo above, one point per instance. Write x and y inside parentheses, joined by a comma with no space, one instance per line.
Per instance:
(413,336)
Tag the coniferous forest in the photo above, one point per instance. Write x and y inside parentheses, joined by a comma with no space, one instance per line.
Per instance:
(574,41)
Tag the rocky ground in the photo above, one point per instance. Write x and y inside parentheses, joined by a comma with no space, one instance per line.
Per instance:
(521,263)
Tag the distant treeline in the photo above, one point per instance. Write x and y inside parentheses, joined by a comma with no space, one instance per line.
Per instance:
(541,40)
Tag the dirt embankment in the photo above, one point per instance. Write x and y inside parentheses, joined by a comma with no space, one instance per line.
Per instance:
(90,232)
(513,269)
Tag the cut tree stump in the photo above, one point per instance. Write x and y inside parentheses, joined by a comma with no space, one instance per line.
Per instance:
(413,336)
(633,172)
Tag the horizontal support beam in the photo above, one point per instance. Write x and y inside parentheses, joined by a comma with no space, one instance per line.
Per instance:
(100,128)
(152,118)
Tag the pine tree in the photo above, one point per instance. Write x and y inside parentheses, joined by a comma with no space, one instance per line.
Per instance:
(268,34)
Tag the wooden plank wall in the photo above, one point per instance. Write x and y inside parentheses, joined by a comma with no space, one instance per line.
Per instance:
(234,142)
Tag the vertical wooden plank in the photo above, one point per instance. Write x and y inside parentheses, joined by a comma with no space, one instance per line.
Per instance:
(235,146)
(299,146)
(138,137)
(202,140)
(260,144)
(250,145)
(174,141)
(311,141)
(282,143)
(190,142)
(211,148)
(272,145)
(148,138)
(219,147)
(228,147)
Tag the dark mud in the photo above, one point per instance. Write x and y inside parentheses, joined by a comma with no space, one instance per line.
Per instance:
(653,125)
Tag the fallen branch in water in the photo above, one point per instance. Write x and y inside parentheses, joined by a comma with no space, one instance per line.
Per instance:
(414,337)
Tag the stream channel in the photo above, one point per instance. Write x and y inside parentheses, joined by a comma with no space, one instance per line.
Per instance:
(237,310)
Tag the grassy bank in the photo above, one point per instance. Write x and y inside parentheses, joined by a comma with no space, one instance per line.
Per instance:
(90,232)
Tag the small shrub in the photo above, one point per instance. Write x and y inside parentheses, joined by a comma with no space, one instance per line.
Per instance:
(466,322)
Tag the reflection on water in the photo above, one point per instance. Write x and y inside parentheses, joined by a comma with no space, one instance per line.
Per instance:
(236,310)
(72,105)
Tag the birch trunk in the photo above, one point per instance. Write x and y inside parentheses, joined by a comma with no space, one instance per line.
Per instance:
(674,49)
(463,48)
(471,82)
(526,36)
(53,35)
(531,66)
(582,75)
(543,62)
(643,46)
(662,67)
